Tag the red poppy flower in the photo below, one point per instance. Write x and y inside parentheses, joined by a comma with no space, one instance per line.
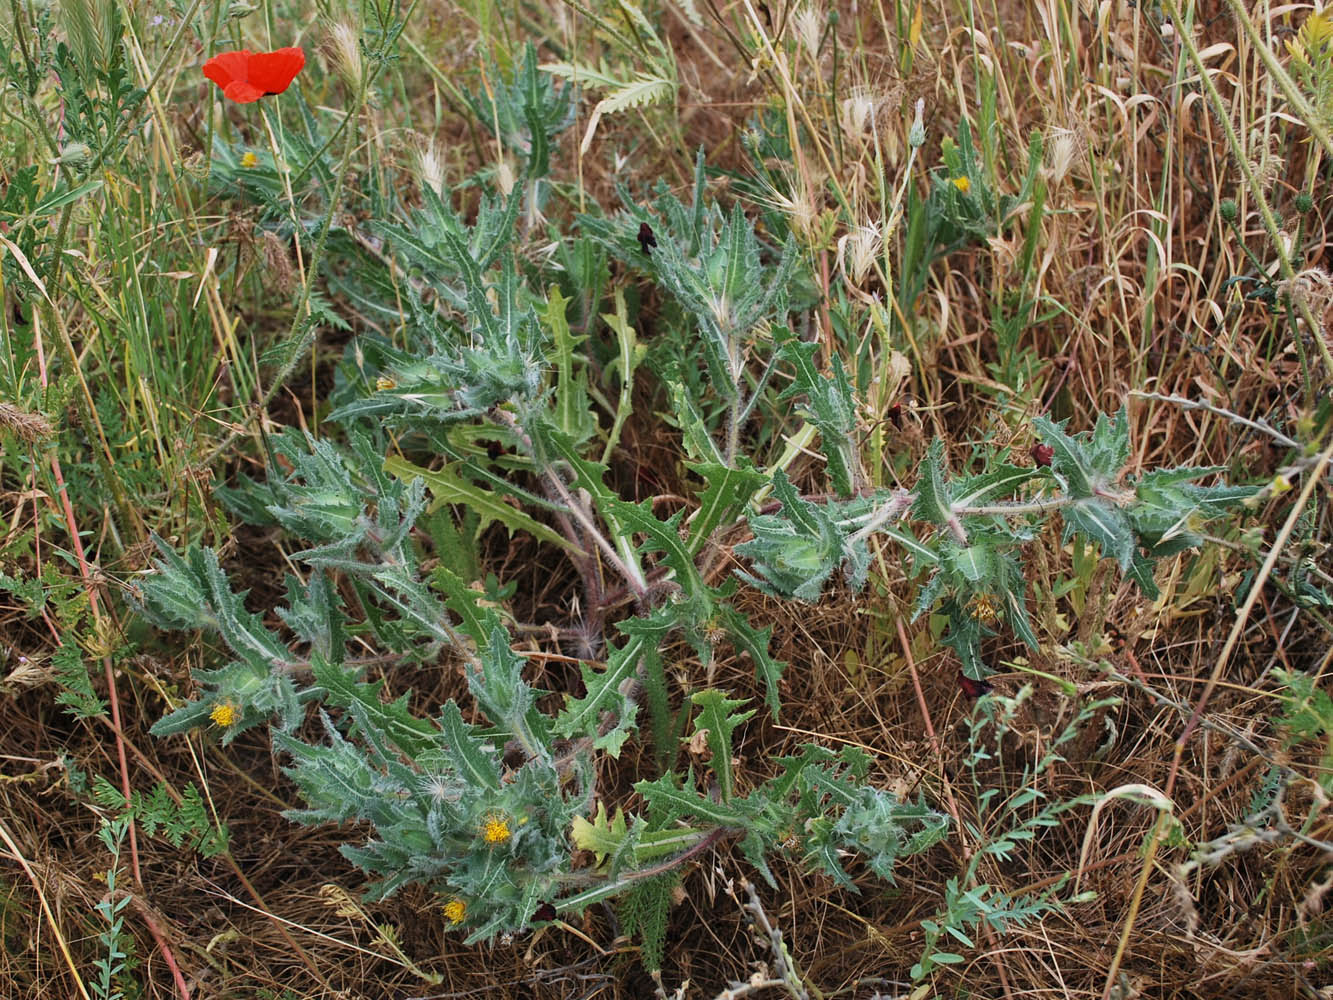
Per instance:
(246,76)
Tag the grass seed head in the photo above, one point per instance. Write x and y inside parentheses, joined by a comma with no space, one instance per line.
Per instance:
(809,23)
(27,427)
(344,49)
(430,166)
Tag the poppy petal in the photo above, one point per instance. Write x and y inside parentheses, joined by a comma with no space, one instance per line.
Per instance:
(273,72)
(242,92)
(225,67)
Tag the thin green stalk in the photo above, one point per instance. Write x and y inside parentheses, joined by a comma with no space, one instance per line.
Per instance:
(1238,153)
(1285,83)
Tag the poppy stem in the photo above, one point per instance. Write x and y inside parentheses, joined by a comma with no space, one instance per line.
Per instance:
(301,340)
(298,347)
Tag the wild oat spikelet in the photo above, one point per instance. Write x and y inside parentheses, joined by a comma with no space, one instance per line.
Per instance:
(277,264)
(857,251)
(344,49)
(1267,163)
(809,23)
(1312,287)
(27,427)
(1064,149)
(430,164)
(856,115)
(802,207)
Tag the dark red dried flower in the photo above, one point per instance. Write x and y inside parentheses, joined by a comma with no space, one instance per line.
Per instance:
(647,239)
(971,687)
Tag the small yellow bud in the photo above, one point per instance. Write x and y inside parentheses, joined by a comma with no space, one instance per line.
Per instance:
(962,184)
(384,383)
(1281,484)
(455,910)
(249,160)
(225,714)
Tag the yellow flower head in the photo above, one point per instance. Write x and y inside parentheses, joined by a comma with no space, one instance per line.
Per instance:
(225,714)
(384,383)
(455,910)
(249,160)
(983,608)
(495,829)
(962,184)
(1281,484)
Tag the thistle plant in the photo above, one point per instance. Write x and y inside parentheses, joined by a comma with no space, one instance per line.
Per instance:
(488,408)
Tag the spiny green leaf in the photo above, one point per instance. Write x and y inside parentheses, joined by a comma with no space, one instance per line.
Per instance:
(478,619)
(448,487)
(1110,444)
(1104,523)
(191,715)
(1016,614)
(572,414)
(795,554)
(728,491)
(690,420)
(963,636)
(933,502)
(193,592)
(923,556)
(831,407)
(1089,463)
(393,719)
(496,682)
(755,642)
(664,537)
(975,563)
(716,721)
(607,692)
(1141,572)
(470,755)
(1002,481)
(665,795)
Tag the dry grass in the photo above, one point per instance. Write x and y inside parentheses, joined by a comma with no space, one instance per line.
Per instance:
(1133,249)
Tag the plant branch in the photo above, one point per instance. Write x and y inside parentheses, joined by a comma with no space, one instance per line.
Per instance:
(1262,426)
